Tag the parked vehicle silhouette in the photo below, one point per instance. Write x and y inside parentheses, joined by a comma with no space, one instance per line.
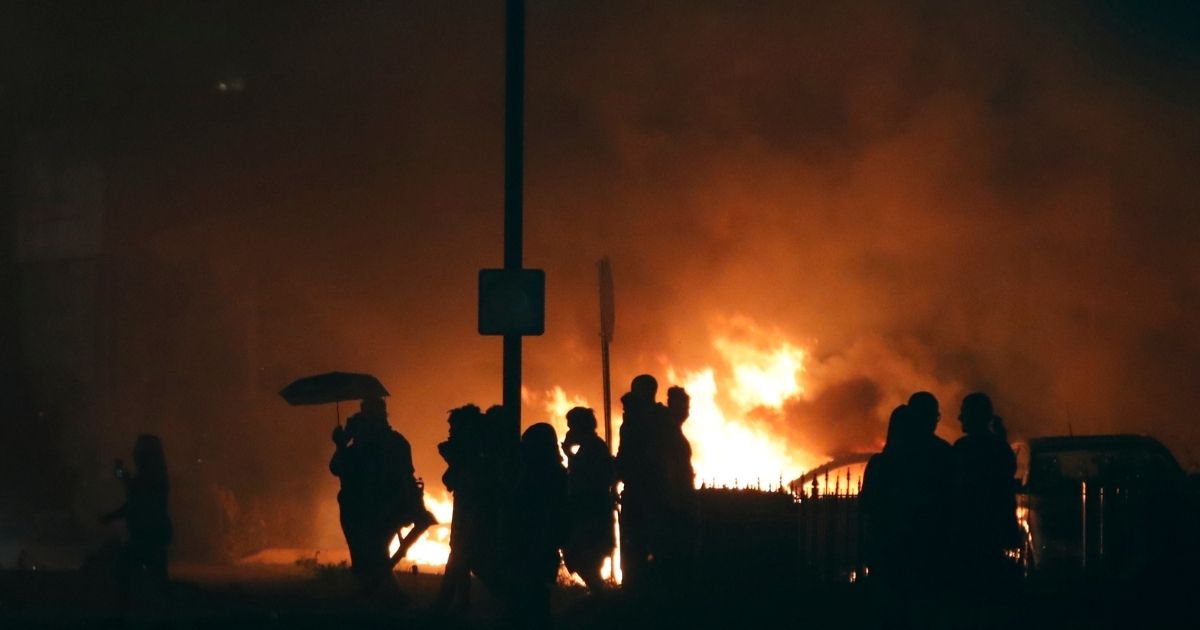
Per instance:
(1116,505)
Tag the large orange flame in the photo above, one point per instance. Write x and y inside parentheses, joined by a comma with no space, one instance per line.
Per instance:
(755,371)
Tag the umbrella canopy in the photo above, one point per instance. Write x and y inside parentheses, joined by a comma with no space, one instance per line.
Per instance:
(332,387)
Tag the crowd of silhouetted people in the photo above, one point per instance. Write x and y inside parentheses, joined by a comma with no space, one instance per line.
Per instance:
(937,516)
(941,518)
(518,509)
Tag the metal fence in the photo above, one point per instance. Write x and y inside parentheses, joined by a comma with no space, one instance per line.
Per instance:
(831,533)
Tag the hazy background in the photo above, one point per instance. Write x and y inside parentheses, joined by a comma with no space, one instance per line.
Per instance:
(205,200)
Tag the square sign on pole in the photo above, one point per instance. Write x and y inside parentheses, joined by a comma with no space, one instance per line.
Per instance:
(512,302)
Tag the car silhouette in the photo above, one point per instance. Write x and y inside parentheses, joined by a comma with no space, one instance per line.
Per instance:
(1117,505)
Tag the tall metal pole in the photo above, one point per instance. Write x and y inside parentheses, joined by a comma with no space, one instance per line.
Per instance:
(607,393)
(608,317)
(607,320)
(514,167)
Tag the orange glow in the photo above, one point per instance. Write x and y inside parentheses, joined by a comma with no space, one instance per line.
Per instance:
(433,547)
(763,370)
(558,403)
(754,370)
(762,377)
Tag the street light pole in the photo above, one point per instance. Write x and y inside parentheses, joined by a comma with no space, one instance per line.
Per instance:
(514,167)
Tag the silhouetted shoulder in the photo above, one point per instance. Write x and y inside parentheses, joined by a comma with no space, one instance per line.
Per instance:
(989,442)
(872,475)
(987,455)
(938,449)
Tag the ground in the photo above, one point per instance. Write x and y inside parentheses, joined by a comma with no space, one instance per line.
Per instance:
(228,597)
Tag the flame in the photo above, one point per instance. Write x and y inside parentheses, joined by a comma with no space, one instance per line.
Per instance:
(757,370)
(433,547)
(762,377)
(727,451)
(729,448)
(558,403)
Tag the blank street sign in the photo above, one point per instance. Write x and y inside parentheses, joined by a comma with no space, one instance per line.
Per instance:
(512,302)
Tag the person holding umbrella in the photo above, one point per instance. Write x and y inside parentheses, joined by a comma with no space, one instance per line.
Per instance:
(379,492)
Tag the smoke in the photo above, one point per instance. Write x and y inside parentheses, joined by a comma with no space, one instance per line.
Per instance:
(852,394)
(925,196)
(839,419)
(1000,198)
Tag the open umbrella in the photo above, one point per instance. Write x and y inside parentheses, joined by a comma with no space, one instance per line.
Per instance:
(332,387)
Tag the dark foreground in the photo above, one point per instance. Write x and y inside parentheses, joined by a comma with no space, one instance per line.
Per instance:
(238,597)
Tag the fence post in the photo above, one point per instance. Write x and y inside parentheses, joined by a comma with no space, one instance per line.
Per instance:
(1083,536)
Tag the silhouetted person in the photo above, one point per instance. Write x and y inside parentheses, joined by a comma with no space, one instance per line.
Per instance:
(353,497)
(931,472)
(499,466)
(888,507)
(463,452)
(541,519)
(590,484)
(923,407)
(675,538)
(676,450)
(906,500)
(379,492)
(145,512)
(640,467)
(985,516)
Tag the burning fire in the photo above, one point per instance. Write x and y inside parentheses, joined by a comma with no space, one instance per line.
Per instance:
(433,547)
(757,371)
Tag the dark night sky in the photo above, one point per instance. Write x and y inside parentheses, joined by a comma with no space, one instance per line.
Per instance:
(934,194)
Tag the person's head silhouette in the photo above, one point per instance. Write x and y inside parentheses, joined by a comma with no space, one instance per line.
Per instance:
(644,388)
(900,428)
(373,407)
(372,421)
(923,407)
(976,413)
(679,403)
(539,445)
(464,421)
(581,420)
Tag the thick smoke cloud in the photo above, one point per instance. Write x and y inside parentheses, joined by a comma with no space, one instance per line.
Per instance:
(854,391)
(931,196)
(1001,194)
(837,419)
